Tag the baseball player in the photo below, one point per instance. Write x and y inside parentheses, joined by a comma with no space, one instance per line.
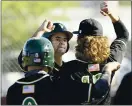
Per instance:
(81,81)
(59,37)
(36,88)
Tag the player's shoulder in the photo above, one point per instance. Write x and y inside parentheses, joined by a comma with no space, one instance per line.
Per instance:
(70,65)
(12,87)
(72,62)
(119,43)
(39,77)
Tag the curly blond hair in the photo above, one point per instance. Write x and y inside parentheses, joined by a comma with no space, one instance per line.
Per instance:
(93,49)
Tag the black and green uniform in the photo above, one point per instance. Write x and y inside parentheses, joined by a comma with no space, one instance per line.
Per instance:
(74,92)
(37,87)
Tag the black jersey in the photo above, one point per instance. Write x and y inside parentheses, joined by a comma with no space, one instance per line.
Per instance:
(73,88)
(36,89)
(74,92)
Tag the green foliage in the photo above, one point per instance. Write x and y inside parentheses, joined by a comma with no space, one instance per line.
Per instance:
(20,19)
(125,3)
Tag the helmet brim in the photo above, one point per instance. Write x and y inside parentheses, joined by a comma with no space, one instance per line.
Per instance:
(68,34)
(75,32)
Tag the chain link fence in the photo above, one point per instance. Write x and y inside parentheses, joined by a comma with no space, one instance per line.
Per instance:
(20,20)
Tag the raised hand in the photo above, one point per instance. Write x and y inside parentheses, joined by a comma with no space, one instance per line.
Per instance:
(104,8)
(47,26)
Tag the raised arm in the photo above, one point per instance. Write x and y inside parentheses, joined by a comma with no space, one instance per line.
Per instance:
(118,46)
(47,26)
(120,29)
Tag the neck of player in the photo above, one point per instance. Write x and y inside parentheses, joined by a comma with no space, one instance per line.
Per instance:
(58,60)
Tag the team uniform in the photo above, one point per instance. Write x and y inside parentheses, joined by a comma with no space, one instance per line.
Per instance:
(35,89)
(56,72)
(76,90)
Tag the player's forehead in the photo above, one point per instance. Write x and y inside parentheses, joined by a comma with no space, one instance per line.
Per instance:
(59,35)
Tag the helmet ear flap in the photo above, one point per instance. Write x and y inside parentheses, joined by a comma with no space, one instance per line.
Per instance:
(25,60)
